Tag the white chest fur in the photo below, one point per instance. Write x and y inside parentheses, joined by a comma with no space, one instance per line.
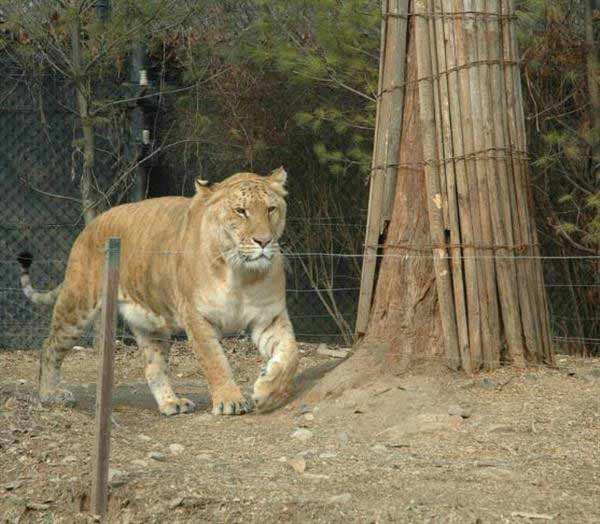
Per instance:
(232,311)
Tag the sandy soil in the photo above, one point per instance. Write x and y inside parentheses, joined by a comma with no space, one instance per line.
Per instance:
(503,447)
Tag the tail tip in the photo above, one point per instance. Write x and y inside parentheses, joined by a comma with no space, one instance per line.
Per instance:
(25,258)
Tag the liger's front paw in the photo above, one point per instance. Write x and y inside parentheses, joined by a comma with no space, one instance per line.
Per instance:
(274,385)
(230,403)
(177,406)
(57,397)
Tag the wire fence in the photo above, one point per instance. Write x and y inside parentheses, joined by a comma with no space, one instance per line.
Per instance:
(40,158)
(318,314)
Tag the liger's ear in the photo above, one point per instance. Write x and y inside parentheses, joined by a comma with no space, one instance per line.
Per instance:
(201,186)
(277,180)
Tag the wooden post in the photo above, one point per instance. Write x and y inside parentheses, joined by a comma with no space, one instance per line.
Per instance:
(101,452)
(388,121)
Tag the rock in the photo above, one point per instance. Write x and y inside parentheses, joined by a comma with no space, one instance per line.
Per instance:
(157,455)
(488,383)
(344,498)
(343,438)
(315,476)
(379,448)
(328,455)
(145,438)
(203,456)
(309,416)
(304,408)
(322,349)
(176,449)
(34,506)
(302,434)
(308,453)
(116,478)
(13,485)
(500,428)
(298,464)
(11,404)
(468,384)
(177,501)
(69,459)
(458,411)
(140,463)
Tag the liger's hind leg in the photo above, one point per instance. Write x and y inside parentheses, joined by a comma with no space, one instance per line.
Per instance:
(156,349)
(69,320)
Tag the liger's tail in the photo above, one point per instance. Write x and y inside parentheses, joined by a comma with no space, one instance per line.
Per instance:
(25,259)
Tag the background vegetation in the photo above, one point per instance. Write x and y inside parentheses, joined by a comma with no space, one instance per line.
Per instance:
(253,85)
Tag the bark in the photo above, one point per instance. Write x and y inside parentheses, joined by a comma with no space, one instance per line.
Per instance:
(405,314)
(404,327)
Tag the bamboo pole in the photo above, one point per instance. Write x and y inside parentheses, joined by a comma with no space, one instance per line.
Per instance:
(375,209)
(520,222)
(394,76)
(386,146)
(532,268)
(486,169)
(435,212)
(453,226)
(498,188)
(490,320)
(465,54)
(439,132)
(467,234)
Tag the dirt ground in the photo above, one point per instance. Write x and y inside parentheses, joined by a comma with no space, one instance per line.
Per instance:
(502,447)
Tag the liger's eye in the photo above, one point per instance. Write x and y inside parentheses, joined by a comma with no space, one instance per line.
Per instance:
(271,209)
(240,211)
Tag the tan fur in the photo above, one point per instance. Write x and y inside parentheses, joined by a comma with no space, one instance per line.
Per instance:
(188,263)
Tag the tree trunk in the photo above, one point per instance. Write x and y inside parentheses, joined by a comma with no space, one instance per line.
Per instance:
(463,195)
(405,314)
(404,329)
(89,202)
(82,89)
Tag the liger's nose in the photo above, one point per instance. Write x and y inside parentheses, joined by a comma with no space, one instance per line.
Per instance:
(262,241)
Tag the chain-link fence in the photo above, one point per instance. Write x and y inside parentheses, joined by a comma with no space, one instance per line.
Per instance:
(42,213)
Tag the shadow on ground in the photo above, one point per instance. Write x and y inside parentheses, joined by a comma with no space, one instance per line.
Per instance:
(137,395)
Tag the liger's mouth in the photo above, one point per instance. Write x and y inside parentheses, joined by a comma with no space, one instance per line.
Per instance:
(262,256)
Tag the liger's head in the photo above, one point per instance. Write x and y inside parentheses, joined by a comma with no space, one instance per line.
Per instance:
(249,211)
